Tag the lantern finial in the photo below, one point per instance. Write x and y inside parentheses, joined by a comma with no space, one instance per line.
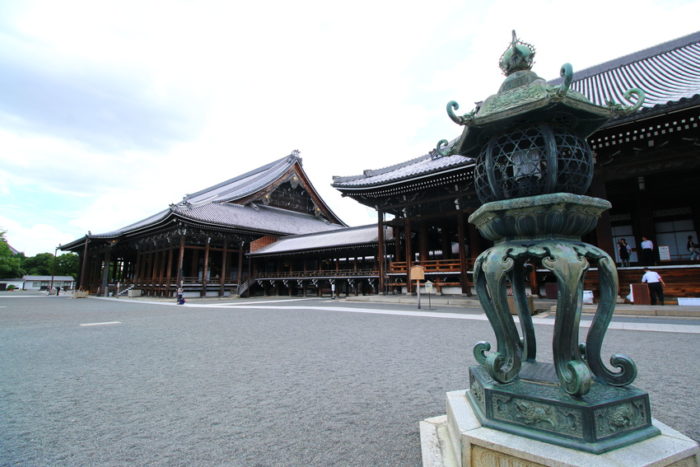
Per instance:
(518,57)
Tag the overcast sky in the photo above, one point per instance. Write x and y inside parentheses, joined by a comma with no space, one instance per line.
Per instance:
(109,111)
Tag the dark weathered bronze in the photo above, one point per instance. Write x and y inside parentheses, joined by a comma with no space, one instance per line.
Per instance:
(533,166)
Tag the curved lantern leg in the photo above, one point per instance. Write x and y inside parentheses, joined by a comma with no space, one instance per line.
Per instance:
(517,280)
(568,266)
(490,274)
(601,321)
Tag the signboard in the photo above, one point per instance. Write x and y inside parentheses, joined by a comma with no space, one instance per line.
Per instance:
(429,287)
(417,273)
(664,253)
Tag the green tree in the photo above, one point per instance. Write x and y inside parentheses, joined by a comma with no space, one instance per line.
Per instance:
(10,263)
(68,264)
(39,265)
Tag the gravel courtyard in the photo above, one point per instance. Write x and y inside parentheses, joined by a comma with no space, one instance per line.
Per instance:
(284,385)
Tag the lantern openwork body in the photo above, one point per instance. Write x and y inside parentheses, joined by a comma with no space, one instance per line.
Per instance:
(533,160)
(533,168)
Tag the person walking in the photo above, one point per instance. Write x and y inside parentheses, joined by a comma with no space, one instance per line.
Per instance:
(656,285)
(647,252)
(693,249)
(623,250)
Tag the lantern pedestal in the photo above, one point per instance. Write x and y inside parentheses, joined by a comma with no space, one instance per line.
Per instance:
(534,406)
(460,439)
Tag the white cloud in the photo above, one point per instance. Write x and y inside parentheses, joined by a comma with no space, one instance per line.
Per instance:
(171,97)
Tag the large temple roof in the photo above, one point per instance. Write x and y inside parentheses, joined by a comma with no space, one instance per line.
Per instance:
(240,204)
(258,218)
(666,73)
(341,238)
(244,185)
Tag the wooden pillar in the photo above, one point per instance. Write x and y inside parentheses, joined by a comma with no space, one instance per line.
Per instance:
(463,277)
(423,241)
(164,263)
(114,270)
(380,250)
(105,273)
(137,267)
(161,266)
(240,263)
(224,267)
(409,255)
(83,265)
(155,260)
(180,261)
(603,230)
(168,272)
(534,283)
(142,267)
(205,268)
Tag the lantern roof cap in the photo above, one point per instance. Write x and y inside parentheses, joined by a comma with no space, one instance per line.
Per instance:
(525,97)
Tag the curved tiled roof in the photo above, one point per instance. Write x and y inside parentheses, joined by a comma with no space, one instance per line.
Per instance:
(150,220)
(666,73)
(244,185)
(256,218)
(346,237)
(411,169)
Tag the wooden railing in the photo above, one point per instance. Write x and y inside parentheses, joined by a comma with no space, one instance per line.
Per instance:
(432,265)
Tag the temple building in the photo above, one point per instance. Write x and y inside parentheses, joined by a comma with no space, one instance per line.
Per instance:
(269,232)
(201,242)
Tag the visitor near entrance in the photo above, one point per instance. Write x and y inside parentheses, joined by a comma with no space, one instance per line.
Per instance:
(656,283)
(647,252)
(624,251)
(693,248)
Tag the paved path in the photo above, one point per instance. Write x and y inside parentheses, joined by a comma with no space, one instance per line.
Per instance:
(263,382)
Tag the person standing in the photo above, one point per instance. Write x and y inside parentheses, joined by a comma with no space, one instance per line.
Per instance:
(647,252)
(656,285)
(693,249)
(623,250)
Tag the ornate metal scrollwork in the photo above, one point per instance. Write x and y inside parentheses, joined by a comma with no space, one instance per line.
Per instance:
(621,109)
(567,74)
(490,274)
(459,120)
(576,364)
(604,312)
(440,149)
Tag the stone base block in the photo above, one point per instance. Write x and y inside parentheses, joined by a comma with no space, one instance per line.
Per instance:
(459,439)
